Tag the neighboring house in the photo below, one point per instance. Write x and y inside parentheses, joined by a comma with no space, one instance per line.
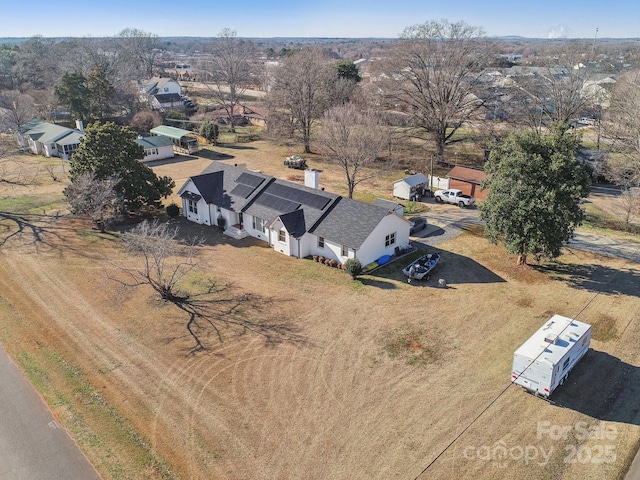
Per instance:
(185,72)
(468,180)
(411,188)
(166,101)
(49,139)
(163,94)
(293,219)
(156,147)
(183,141)
(161,86)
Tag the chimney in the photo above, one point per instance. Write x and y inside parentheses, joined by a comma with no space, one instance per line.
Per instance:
(79,125)
(312,178)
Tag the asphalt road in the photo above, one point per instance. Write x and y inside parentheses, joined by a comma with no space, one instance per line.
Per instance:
(33,446)
(447,221)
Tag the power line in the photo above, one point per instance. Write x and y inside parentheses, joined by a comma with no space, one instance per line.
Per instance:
(499,395)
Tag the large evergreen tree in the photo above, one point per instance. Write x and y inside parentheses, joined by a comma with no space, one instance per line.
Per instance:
(74,93)
(109,149)
(536,185)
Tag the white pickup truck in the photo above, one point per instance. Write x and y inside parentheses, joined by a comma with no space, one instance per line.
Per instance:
(455,197)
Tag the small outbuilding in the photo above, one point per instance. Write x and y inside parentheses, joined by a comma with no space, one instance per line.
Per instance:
(468,180)
(183,141)
(411,188)
(156,147)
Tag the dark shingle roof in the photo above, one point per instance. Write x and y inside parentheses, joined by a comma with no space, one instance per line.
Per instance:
(294,223)
(168,98)
(300,208)
(218,183)
(281,197)
(350,223)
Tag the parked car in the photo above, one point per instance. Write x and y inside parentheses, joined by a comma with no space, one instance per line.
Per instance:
(417,224)
(455,197)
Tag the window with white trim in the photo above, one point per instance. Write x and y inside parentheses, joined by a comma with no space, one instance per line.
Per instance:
(320,242)
(282,236)
(259,225)
(390,239)
(193,206)
(345,251)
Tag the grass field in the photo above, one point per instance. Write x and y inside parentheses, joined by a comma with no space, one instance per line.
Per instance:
(372,378)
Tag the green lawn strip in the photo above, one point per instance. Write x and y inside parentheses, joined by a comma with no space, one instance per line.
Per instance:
(95,424)
(31,204)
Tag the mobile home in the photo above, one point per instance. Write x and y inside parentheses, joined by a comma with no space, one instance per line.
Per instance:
(544,361)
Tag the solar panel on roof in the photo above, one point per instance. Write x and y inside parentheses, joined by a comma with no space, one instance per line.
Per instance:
(242,191)
(301,196)
(249,180)
(279,204)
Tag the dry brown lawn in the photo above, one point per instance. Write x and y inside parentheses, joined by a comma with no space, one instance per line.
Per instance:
(362,379)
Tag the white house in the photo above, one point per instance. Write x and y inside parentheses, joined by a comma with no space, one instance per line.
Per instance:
(162,94)
(293,219)
(390,205)
(49,139)
(156,147)
(161,86)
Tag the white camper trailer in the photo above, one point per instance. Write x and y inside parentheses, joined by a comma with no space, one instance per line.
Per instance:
(544,361)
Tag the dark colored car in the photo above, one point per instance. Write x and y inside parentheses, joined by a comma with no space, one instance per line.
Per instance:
(417,224)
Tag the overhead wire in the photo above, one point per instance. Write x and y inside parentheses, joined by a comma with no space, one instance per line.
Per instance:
(504,390)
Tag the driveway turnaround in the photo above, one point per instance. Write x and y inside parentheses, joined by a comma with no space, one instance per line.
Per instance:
(33,446)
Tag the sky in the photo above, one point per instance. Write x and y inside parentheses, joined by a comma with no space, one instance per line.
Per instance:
(319,18)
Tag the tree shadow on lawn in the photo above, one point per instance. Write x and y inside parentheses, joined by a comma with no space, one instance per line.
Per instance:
(602,387)
(41,230)
(595,278)
(455,269)
(236,147)
(219,311)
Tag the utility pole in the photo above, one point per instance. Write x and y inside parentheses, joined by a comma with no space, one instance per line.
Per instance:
(594,41)
(431,177)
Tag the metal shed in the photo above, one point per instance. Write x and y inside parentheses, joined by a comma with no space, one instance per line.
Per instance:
(184,141)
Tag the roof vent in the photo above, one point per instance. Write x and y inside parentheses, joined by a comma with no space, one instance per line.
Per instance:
(551,338)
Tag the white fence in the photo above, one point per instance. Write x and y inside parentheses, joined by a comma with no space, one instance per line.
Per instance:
(438,183)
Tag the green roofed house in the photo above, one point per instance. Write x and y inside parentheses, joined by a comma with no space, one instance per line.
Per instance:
(183,141)
(49,139)
(156,147)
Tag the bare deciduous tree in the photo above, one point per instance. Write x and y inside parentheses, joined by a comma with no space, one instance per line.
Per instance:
(300,94)
(165,260)
(143,122)
(433,73)
(353,140)
(628,205)
(19,108)
(558,91)
(137,51)
(229,71)
(622,125)
(96,198)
